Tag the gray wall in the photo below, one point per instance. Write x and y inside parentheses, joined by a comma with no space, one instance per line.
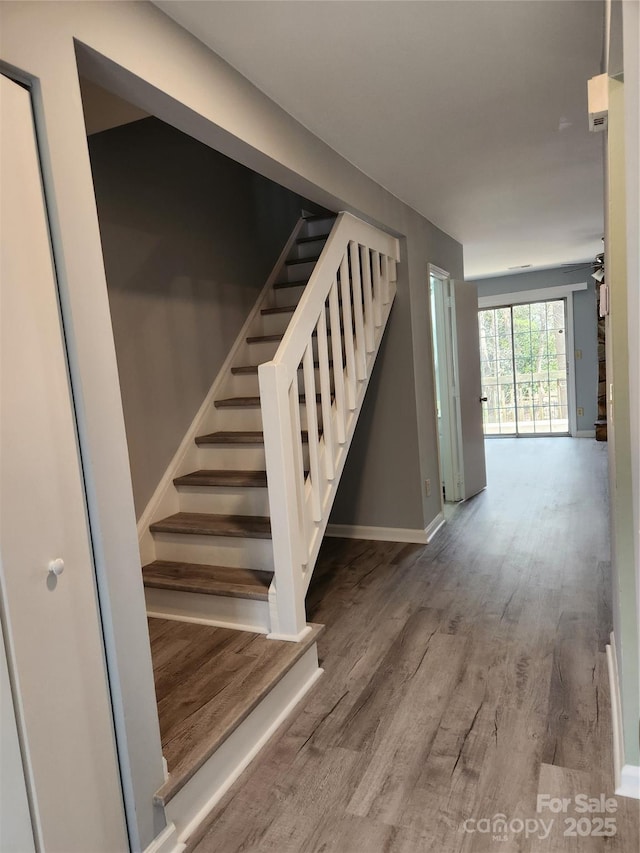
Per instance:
(584,326)
(189,238)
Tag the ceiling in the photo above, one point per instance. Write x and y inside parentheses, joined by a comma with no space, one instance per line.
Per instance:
(474,112)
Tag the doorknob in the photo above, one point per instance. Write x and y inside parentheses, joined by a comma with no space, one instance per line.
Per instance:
(483,399)
(56,567)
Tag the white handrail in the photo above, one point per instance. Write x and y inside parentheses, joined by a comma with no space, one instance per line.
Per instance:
(343,311)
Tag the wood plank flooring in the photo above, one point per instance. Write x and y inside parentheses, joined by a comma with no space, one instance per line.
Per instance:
(462,679)
(208,680)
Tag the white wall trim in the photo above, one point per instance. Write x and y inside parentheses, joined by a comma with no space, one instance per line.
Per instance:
(541,294)
(616,710)
(626,776)
(377,534)
(585,433)
(192,804)
(629,785)
(570,347)
(434,526)
(166,842)
(387,534)
(438,272)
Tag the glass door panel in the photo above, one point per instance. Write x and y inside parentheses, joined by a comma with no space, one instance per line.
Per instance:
(524,369)
(496,368)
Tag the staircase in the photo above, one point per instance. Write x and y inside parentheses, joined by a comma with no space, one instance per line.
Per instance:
(231,536)
(219,545)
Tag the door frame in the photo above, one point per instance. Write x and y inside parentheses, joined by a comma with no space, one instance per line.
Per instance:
(547,294)
(78,718)
(451,475)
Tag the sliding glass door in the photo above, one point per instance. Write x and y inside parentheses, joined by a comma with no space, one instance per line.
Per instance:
(524,369)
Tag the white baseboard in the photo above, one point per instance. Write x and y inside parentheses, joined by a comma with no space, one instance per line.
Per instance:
(616,710)
(193,803)
(377,534)
(585,433)
(626,776)
(434,526)
(387,534)
(166,842)
(629,782)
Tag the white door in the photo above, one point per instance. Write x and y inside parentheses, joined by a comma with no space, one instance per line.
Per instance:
(51,623)
(469,387)
(443,338)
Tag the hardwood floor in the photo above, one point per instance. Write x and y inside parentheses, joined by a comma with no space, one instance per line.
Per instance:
(208,680)
(462,680)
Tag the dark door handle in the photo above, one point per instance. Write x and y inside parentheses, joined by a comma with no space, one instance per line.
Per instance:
(483,399)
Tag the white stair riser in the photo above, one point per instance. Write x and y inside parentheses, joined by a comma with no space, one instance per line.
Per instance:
(232,457)
(242,614)
(310,250)
(318,226)
(222,500)
(236,458)
(241,385)
(261,352)
(274,324)
(295,272)
(251,419)
(241,420)
(287,295)
(215,550)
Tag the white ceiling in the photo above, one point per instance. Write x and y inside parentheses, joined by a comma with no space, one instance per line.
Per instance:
(474,112)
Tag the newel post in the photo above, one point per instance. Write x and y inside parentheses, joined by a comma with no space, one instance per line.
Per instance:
(283,451)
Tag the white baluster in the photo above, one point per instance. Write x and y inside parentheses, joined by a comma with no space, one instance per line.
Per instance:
(393,275)
(385,280)
(312,428)
(338,365)
(356,286)
(325,396)
(347,332)
(377,288)
(298,463)
(365,266)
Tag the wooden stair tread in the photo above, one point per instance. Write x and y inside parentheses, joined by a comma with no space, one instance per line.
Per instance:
(279,285)
(250,369)
(238,403)
(292,262)
(318,217)
(266,339)
(206,524)
(210,580)
(208,681)
(225,437)
(284,309)
(312,239)
(244,369)
(279,309)
(209,477)
(249,402)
